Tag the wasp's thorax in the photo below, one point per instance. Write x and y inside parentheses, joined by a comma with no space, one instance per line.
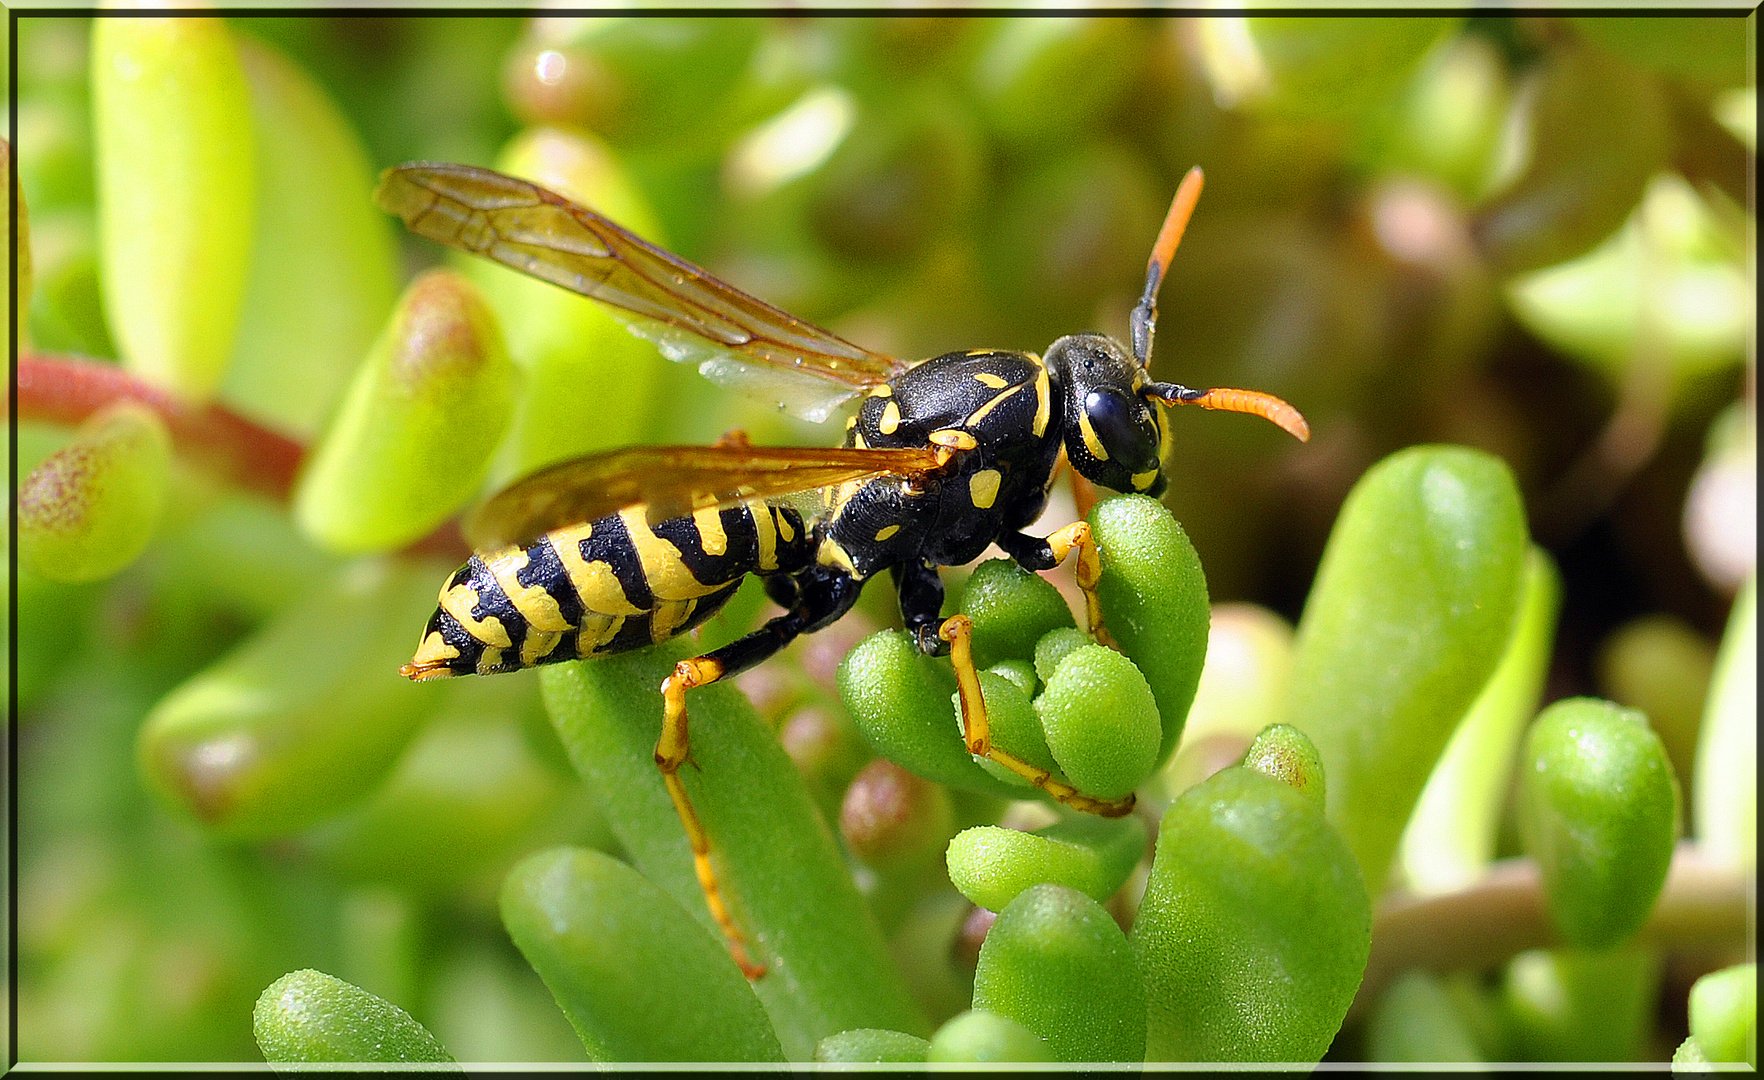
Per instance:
(1114,435)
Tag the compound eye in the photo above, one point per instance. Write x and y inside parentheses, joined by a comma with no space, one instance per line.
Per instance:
(1124,425)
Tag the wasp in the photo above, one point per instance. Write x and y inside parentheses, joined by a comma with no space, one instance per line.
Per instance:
(942,458)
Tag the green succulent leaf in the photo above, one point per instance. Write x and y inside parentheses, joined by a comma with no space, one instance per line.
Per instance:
(1283,752)
(1154,601)
(1053,647)
(565,343)
(90,508)
(900,700)
(1599,811)
(1725,799)
(177,194)
(1100,720)
(985,1037)
(412,441)
(324,270)
(1016,725)
(1417,1021)
(1579,1004)
(1055,962)
(1412,609)
(1255,926)
(637,976)
(1599,129)
(304,717)
(1724,1014)
(992,866)
(308,1017)
(779,870)
(1011,609)
(1451,837)
(871,1046)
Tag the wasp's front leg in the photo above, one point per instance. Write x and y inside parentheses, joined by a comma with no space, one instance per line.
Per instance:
(957,630)
(1037,554)
(920,588)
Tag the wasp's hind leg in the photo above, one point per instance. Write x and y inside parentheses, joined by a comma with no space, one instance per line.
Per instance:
(1037,554)
(820,599)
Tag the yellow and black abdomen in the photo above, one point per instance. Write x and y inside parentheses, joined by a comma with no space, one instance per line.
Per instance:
(604,586)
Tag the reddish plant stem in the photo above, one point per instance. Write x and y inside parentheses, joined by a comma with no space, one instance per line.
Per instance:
(67,389)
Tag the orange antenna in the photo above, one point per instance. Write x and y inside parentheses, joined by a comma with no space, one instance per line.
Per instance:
(1225,399)
(1145,314)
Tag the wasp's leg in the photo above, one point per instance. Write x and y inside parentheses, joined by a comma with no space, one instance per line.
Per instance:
(921,604)
(977,732)
(781,589)
(1036,554)
(823,597)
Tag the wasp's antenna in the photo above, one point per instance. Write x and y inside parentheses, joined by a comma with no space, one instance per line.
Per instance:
(1145,314)
(1254,402)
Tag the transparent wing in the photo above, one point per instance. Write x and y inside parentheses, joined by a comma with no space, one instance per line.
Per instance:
(734,338)
(672,481)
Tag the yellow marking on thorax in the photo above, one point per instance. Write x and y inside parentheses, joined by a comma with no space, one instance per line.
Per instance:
(1143,480)
(1043,397)
(663,568)
(489,660)
(890,418)
(857,437)
(983,488)
(535,604)
(786,531)
(595,583)
(711,536)
(458,602)
(831,554)
(979,414)
(954,438)
(882,391)
(987,378)
(1091,442)
(885,532)
(765,532)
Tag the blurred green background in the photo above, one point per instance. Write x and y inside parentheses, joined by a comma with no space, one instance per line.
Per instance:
(1527,235)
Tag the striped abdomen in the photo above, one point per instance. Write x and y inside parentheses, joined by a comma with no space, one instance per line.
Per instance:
(605,586)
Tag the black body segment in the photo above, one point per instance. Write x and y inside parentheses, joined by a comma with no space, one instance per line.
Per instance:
(1006,402)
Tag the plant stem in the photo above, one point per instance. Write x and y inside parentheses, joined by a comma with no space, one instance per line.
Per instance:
(1505,914)
(64,389)
(67,389)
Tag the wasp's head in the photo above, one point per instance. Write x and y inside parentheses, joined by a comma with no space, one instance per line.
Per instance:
(1115,435)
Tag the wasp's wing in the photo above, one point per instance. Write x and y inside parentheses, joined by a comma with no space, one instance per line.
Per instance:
(672,481)
(734,338)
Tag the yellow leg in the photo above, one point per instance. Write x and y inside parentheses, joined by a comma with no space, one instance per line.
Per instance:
(1077,535)
(977,732)
(671,752)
